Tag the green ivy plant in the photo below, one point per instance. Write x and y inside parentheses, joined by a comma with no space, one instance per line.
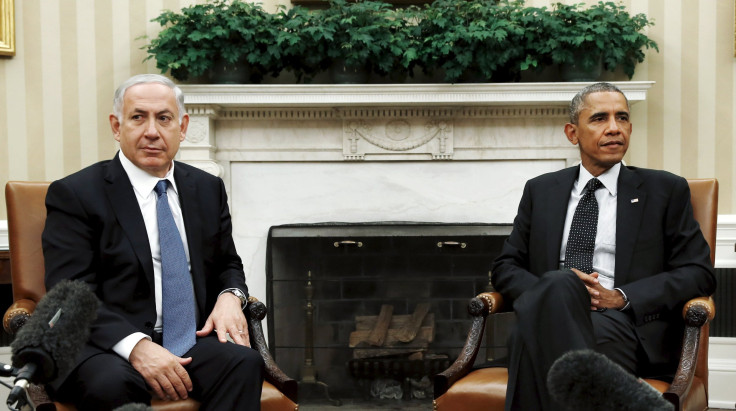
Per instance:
(469,40)
(359,34)
(604,32)
(219,31)
(404,44)
(302,42)
(481,37)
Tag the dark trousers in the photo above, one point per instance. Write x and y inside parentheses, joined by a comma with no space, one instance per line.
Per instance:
(554,317)
(225,376)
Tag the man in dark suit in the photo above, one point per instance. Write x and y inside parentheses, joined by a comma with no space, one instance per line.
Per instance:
(645,258)
(103,228)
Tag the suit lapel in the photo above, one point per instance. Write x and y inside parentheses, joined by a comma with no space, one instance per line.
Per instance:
(120,194)
(558,195)
(630,209)
(190,211)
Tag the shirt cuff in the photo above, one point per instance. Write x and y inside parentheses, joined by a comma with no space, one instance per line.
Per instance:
(626,299)
(125,346)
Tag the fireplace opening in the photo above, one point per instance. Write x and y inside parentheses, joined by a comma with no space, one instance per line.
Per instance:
(370,312)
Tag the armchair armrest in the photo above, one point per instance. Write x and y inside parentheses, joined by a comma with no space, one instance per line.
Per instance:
(479,307)
(256,313)
(697,313)
(705,303)
(17,315)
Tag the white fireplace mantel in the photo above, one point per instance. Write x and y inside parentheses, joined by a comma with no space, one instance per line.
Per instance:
(495,121)
(404,95)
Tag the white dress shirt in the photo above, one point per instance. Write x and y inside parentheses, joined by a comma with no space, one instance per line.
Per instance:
(604,254)
(143,185)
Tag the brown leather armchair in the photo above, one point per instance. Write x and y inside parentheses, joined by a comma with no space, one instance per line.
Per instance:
(26,218)
(462,388)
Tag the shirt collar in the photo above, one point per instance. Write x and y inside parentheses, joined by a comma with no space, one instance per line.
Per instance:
(143,183)
(609,179)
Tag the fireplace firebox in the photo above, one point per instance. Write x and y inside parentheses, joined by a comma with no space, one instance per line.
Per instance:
(322,277)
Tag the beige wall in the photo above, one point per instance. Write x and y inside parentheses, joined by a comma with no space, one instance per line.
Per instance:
(55,94)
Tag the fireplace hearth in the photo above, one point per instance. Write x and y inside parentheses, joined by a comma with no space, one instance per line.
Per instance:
(321,278)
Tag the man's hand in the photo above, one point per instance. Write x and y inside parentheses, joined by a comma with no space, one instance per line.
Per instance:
(227,317)
(163,371)
(600,297)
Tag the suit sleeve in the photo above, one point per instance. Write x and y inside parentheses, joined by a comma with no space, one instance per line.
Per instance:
(511,275)
(688,272)
(71,253)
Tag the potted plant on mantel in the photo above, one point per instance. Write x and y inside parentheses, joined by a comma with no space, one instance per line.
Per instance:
(582,41)
(356,38)
(473,40)
(221,41)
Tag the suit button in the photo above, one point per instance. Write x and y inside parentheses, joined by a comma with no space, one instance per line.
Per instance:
(148,324)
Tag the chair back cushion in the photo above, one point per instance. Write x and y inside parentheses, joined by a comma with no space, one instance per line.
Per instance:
(26,206)
(704,198)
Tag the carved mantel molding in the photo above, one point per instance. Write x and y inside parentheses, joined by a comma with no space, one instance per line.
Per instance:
(403,95)
(406,122)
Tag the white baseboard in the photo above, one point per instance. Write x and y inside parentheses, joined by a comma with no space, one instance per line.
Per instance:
(3,234)
(722,373)
(725,240)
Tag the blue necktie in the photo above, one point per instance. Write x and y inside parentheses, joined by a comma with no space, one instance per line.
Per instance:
(583,229)
(177,293)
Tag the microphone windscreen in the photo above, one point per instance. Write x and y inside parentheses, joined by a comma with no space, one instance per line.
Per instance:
(134,407)
(57,330)
(588,380)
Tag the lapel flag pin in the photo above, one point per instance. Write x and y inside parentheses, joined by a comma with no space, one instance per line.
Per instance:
(634,200)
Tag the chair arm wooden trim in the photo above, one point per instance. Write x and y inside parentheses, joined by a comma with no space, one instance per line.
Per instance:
(494,301)
(288,386)
(39,399)
(697,312)
(707,304)
(479,307)
(17,315)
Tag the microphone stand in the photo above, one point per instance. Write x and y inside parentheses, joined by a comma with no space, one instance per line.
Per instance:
(18,398)
(24,397)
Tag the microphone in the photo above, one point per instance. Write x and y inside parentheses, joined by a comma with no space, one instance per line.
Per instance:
(48,344)
(588,380)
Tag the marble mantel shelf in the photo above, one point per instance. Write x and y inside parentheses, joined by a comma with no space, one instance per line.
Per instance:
(382,122)
(405,95)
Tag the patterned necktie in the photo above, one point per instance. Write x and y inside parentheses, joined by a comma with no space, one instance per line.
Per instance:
(177,293)
(581,241)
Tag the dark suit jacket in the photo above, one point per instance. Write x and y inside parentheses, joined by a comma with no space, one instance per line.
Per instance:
(95,233)
(662,259)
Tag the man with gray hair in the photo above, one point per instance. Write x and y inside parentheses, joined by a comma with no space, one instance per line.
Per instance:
(602,256)
(152,237)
